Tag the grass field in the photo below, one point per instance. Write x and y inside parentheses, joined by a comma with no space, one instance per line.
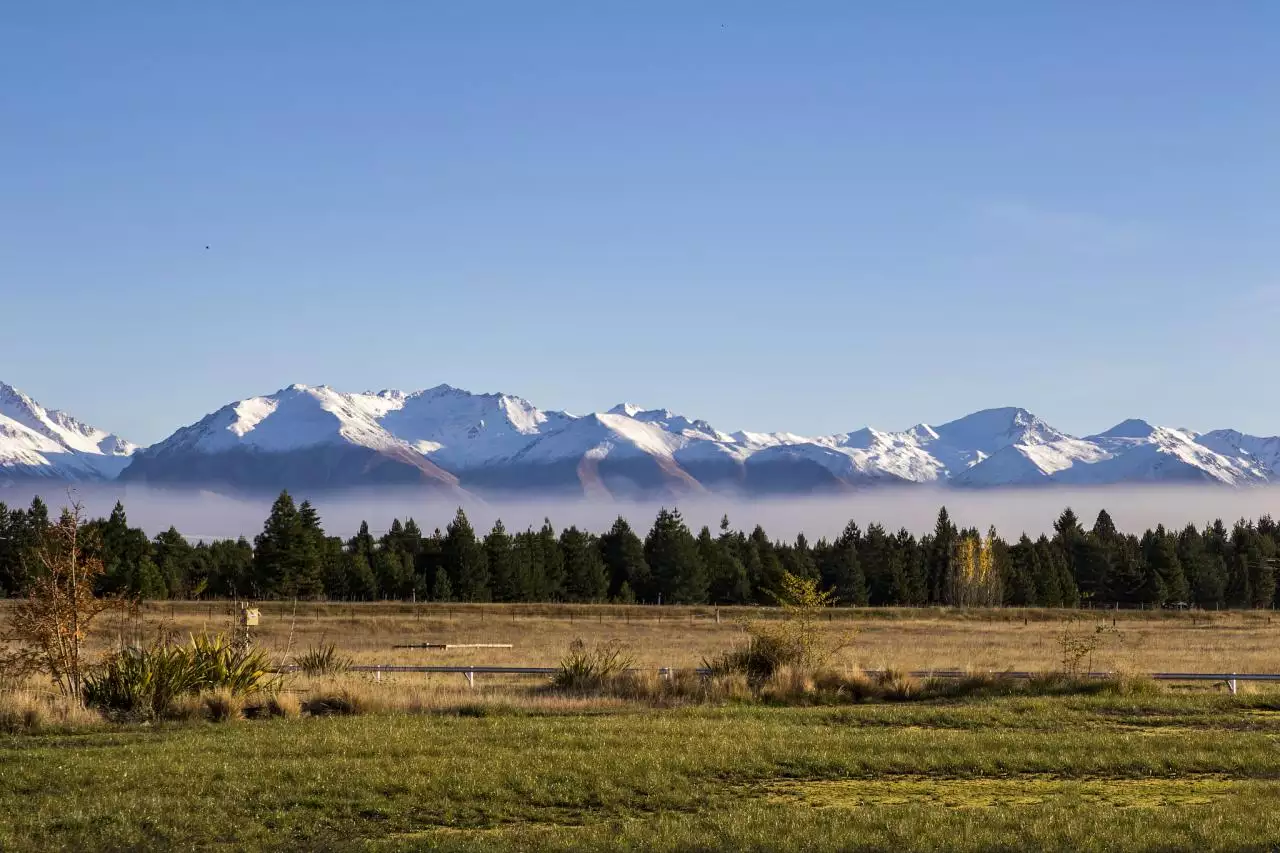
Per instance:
(682,636)
(426,763)
(1141,772)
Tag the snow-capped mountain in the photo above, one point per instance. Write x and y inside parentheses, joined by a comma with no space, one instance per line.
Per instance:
(446,438)
(40,443)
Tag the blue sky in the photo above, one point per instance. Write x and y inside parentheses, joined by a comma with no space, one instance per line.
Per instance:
(809,217)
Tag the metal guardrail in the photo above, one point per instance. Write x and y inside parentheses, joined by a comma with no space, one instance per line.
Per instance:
(470,672)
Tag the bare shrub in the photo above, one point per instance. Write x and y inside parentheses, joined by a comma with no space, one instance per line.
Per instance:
(1079,644)
(795,641)
(50,624)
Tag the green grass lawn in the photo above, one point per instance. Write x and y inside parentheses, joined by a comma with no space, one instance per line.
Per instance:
(1146,772)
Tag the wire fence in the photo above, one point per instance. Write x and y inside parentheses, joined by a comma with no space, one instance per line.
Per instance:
(1230,679)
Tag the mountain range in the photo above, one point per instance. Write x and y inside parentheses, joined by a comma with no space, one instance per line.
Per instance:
(444,438)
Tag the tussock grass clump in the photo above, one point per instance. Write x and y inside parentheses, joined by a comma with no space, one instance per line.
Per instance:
(894,685)
(323,660)
(590,669)
(224,706)
(28,712)
(342,703)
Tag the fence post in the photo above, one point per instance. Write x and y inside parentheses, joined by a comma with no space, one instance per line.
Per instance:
(1231,685)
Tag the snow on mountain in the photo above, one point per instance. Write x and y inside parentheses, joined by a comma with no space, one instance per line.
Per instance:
(1262,453)
(36,442)
(448,438)
(1137,452)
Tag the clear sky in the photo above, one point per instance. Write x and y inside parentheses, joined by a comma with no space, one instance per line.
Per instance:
(808,216)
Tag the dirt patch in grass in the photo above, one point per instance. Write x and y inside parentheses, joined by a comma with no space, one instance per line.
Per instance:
(1002,793)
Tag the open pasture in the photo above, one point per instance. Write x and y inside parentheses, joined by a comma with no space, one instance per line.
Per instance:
(682,637)
(1147,771)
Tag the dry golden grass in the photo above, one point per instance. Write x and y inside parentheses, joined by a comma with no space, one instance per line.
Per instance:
(909,639)
(30,709)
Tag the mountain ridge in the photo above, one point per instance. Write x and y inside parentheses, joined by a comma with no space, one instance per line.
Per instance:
(456,441)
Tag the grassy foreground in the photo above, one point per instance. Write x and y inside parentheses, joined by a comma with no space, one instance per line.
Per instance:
(1141,772)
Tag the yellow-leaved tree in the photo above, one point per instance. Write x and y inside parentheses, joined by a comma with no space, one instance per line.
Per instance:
(975,577)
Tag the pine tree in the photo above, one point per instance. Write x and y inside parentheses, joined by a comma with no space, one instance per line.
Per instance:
(585,577)
(1019,583)
(1205,575)
(726,576)
(623,554)
(914,569)
(1051,574)
(764,567)
(939,562)
(278,549)
(172,556)
(882,563)
(527,551)
(551,558)
(672,554)
(841,571)
(464,560)
(798,559)
(441,589)
(394,573)
(500,555)
(1160,551)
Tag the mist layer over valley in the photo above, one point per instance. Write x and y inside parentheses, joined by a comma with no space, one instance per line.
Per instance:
(209,516)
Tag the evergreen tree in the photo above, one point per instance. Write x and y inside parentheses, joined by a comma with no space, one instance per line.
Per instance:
(441,589)
(1092,557)
(527,552)
(585,576)
(393,573)
(499,551)
(1067,535)
(552,562)
(764,567)
(841,570)
(464,560)
(122,549)
(623,554)
(727,581)
(938,568)
(173,557)
(280,551)
(1205,576)
(1160,552)
(882,563)
(1105,529)
(798,559)
(230,567)
(1049,573)
(672,554)
(915,585)
(1019,579)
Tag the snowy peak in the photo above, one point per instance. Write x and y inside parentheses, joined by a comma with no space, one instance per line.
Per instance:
(1132,428)
(992,429)
(315,435)
(47,443)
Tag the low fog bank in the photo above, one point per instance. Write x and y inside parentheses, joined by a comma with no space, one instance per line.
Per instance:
(207,515)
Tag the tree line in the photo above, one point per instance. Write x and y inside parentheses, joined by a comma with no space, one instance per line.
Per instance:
(1210,567)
